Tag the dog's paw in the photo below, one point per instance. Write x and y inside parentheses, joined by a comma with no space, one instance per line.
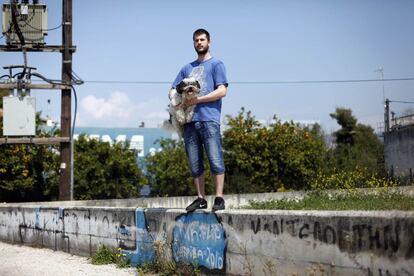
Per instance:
(180,116)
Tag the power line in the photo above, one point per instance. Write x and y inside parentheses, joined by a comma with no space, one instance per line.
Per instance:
(407,102)
(261,82)
(322,81)
(128,82)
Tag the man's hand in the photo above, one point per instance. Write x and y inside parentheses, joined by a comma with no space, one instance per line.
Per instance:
(192,101)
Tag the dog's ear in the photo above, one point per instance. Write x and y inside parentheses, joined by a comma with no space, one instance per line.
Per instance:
(198,84)
(180,87)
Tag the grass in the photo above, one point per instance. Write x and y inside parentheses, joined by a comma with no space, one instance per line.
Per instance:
(344,201)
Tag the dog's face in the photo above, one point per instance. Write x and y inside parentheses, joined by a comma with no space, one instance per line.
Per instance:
(189,86)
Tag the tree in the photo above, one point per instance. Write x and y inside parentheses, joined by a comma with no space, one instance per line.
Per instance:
(28,172)
(348,123)
(265,159)
(31,172)
(356,145)
(103,171)
(169,173)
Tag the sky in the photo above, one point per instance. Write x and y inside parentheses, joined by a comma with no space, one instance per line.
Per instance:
(262,43)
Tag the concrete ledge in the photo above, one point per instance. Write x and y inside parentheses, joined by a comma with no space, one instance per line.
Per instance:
(234,242)
(233,201)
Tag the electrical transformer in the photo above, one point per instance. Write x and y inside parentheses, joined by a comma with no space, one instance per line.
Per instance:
(32,22)
(19,116)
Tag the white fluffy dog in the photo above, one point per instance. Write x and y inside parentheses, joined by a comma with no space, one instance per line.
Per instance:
(179,114)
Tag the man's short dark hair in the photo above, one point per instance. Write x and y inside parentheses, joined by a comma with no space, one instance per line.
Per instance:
(200,32)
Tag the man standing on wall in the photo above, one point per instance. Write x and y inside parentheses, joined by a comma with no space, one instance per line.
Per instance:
(203,133)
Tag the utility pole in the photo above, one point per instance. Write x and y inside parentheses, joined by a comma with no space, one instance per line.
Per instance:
(387,117)
(65,186)
(67,50)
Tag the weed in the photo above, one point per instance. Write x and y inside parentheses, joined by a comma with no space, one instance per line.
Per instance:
(163,264)
(106,255)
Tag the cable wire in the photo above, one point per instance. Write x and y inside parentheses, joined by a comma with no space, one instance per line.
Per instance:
(261,82)
(42,30)
(322,81)
(407,102)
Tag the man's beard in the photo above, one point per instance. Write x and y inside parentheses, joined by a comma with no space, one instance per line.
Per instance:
(203,51)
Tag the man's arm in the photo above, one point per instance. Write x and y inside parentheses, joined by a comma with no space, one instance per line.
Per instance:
(217,94)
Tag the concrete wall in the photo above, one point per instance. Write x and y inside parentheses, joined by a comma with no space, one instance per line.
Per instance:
(232,200)
(399,152)
(235,242)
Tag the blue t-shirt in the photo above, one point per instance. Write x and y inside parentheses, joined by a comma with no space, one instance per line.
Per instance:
(210,74)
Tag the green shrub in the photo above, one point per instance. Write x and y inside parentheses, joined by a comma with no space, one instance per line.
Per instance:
(359,178)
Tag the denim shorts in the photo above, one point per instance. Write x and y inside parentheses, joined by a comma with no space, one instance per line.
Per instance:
(200,136)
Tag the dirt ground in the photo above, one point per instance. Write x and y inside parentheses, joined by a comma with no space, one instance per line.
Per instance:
(16,260)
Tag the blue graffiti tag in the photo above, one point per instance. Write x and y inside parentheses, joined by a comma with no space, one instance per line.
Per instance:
(144,251)
(199,239)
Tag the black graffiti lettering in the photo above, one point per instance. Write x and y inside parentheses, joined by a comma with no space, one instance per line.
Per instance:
(275,228)
(410,251)
(317,231)
(105,218)
(386,272)
(257,227)
(343,235)
(389,241)
(292,223)
(374,238)
(332,235)
(266,227)
(303,235)
(349,237)
(357,233)
(281,226)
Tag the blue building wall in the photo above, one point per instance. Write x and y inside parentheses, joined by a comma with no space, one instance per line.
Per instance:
(151,135)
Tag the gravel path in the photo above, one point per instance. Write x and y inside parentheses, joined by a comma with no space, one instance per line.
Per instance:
(16,260)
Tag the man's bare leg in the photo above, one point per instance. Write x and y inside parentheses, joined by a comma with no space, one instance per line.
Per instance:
(219,180)
(200,186)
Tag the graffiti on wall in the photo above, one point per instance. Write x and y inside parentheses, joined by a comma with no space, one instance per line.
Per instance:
(199,238)
(144,244)
(390,272)
(350,237)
